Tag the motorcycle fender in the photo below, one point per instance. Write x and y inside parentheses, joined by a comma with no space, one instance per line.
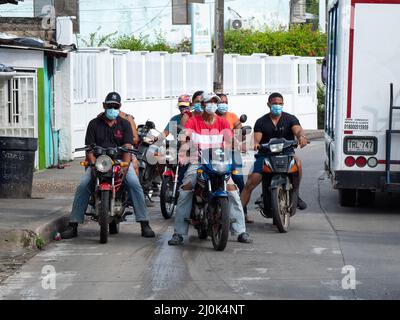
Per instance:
(219,194)
(105,187)
(277,181)
(168,174)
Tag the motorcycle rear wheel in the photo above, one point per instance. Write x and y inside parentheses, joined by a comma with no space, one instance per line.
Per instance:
(220,224)
(167,199)
(280,215)
(103,215)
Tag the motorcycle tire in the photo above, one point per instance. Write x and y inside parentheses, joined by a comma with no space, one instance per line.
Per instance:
(280,215)
(220,225)
(103,215)
(167,201)
(114,227)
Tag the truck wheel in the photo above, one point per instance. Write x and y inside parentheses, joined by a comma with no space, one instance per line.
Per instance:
(347,197)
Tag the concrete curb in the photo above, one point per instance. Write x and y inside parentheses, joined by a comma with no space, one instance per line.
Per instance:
(57,224)
(25,238)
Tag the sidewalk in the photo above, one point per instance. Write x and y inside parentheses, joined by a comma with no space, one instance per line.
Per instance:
(27,223)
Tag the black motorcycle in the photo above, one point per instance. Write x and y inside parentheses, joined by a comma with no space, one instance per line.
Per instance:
(170,180)
(279,196)
(148,153)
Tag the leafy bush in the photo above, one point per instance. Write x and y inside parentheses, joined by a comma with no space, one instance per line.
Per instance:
(299,40)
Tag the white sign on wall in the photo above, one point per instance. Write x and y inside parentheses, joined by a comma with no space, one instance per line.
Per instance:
(201,28)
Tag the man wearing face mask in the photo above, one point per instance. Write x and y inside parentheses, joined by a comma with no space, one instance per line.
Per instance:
(276,124)
(206,131)
(174,124)
(109,130)
(196,105)
(235,124)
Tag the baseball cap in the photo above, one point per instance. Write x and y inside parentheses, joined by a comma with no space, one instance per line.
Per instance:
(209,96)
(184,100)
(113,98)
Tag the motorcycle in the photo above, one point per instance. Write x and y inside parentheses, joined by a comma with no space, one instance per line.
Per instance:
(148,152)
(170,181)
(110,198)
(210,215)
(279,197)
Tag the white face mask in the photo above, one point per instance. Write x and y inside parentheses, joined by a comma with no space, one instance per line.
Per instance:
(211,108)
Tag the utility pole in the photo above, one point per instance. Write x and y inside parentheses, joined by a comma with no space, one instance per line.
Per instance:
(219,47)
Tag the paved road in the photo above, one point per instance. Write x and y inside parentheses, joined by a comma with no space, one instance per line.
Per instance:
(306,263)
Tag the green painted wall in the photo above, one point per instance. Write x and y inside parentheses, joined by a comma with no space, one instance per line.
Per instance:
(41,118)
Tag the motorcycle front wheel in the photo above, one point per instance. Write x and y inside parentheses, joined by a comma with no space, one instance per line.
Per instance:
(280,213)
(220,224)
(103,215)
(167,198)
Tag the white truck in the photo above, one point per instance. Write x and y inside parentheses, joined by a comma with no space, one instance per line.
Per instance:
(362,77)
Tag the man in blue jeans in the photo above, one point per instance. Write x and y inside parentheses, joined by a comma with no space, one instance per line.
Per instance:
(109,130)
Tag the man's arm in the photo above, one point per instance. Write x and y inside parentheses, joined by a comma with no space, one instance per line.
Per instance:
(300,135)
(89,140)
(134,130)
(257,140)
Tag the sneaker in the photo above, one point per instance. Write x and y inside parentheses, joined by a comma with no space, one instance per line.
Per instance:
(147,232)
(71,231)
(176,240)
(245,238)
(301,205)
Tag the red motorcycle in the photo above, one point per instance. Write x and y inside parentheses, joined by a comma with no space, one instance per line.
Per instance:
(110,198)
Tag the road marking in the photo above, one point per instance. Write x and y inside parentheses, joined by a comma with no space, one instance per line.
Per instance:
(318,250)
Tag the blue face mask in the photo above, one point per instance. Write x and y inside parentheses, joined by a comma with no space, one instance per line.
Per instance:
(223,108)
(211,108)
(276,110)
(197,107)
(112,114)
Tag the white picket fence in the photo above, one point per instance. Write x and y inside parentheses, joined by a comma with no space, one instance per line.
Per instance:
(149,83)
(159,75)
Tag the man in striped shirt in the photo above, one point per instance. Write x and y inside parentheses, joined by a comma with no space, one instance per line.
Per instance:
(207,131)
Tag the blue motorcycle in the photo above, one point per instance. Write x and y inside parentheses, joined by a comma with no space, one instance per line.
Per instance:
(210,214)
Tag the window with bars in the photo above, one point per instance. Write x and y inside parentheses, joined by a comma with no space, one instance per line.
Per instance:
(17,107)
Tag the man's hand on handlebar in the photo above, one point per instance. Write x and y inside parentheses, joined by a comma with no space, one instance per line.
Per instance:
(303,141)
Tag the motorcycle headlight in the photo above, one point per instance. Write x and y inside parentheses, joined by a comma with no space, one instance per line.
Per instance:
(276,148)
(104,164)
(148,139)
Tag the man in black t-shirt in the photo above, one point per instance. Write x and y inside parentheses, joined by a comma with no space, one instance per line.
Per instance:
(109,130)
(276,124)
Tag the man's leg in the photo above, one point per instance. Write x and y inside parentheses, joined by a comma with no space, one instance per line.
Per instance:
(135,191)
(81,201)
(252,182)
(236,213)
(184,206)
(296,181)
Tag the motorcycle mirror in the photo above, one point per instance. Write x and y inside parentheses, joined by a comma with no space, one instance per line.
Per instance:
(246,129)
(150,125)
(243,118)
